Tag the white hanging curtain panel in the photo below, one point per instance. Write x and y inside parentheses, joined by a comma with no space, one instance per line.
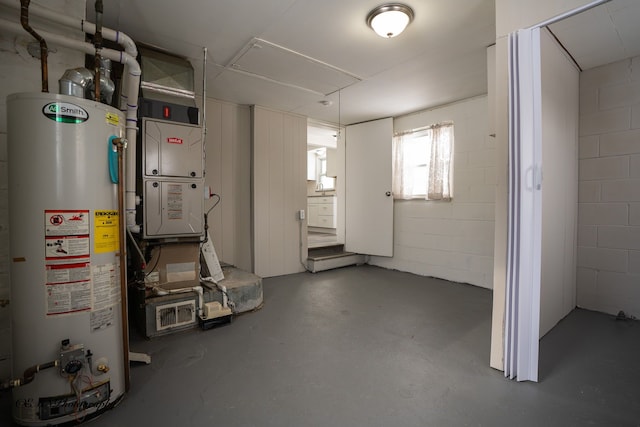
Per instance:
(431,148)
(440,163)
(522,311)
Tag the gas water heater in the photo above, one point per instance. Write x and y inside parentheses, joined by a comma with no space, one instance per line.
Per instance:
(64,257)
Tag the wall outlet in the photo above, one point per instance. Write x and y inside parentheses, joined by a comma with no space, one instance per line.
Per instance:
(301,214)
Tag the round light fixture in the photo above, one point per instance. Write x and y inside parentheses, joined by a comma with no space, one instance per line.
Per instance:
(390,19)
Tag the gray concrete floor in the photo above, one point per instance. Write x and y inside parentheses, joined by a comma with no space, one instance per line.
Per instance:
(364,346)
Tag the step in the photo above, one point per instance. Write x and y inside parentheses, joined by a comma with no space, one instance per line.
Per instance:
(331,261)
(335,249)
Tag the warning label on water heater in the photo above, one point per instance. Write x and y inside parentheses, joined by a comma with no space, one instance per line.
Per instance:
(66,223)
(106,295)
(67,261)
(66,247)
(68,288)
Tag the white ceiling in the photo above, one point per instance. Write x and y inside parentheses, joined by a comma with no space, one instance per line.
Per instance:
(440,58)
(602,35)
(291,55)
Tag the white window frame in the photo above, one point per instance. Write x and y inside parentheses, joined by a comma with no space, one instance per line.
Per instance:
(415,158)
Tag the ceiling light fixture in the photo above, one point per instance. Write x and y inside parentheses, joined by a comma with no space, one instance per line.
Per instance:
(390,19)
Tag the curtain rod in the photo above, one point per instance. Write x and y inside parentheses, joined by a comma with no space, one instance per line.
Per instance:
(569,14)
(423,128)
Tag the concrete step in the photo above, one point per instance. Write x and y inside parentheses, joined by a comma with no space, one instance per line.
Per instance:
(327,250)
(335,260)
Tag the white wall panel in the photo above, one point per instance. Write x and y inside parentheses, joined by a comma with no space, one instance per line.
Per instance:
(279,142)
(227,148)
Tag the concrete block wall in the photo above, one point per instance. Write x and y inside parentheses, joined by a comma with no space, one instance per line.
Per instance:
(19,72)
(451,240)
(608,276)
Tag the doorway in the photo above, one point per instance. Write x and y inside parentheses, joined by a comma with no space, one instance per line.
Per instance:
(323,176)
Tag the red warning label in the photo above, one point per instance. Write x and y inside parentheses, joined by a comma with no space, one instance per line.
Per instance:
(174,140)
(66,223)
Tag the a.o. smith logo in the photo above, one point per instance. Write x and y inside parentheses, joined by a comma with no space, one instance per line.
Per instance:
(65,112)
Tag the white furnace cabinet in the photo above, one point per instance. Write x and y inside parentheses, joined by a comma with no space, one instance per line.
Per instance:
(173,179)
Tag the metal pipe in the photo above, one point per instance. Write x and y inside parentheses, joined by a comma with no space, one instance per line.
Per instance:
(128,102)
(28,375)
(569,14)
(121,145)
(128,99)
(204,98)
(24,20)
(97,42)
(122,39)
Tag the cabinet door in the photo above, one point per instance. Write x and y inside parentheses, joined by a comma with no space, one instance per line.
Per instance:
(312,218)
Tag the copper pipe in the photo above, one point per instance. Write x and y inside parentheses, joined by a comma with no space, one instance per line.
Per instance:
(24,20)
(120,144)
(28,375)
(97,42)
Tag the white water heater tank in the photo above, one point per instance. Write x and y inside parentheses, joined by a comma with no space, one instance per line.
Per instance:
(64,245)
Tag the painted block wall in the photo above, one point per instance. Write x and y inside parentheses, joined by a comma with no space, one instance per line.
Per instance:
(451,240)
(19,72)
(609,189)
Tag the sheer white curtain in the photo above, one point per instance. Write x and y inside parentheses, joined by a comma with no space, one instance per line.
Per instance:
(422,160)
(400,172)
(440,162)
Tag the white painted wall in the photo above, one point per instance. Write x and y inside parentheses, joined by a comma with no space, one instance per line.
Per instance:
(19,72)
(451,240)
(228,162)
(609,199)
(560,183)
(279,153)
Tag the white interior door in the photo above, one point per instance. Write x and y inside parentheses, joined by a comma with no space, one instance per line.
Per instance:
(368,199)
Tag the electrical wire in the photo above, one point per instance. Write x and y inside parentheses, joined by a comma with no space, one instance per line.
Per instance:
(156,263)
(206,218)
(135,245)
(304,264)
(216,203)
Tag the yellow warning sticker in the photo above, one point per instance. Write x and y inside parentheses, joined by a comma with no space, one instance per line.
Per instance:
(105,231)
(112,119)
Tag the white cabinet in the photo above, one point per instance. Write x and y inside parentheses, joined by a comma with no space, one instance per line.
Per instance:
(322,211)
